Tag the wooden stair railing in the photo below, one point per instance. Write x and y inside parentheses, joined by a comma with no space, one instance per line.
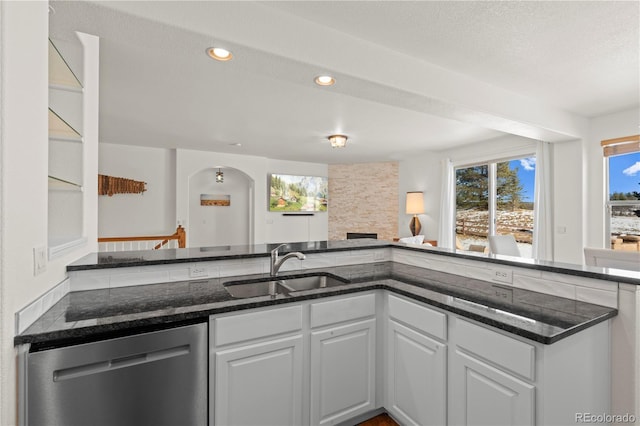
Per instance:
(163,241)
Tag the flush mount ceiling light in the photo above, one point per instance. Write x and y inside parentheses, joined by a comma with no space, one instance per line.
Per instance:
(219,176)
(219,54)
(338,141)
(325,80)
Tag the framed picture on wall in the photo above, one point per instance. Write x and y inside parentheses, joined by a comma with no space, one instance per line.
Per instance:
(292,193)
(215,200)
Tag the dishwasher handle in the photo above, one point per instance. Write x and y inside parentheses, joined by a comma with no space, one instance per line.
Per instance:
(121,362)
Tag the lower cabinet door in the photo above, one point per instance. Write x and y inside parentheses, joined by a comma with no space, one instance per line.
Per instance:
(342,372)
(416,377)
(260,384)
(484,395)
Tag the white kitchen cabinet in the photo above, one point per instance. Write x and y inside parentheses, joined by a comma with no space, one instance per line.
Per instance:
(256,367)
(260,384)
(416,363)
(342,372)
(416,377)
(496,378)
(491,377)
(303,363)
(484,395)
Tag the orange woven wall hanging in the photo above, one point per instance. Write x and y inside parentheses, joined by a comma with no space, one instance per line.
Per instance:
(109,185)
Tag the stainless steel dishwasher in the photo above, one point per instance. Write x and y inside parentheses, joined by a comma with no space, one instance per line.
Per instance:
(156,378)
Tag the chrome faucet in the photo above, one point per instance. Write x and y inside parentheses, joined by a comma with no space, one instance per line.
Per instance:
(277,261)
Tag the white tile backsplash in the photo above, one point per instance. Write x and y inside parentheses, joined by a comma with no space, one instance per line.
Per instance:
(599,297)
(27,315)
(179,274)
(229,268)
(319,260)
(545,286)
(138,278)
(590,290)
(580,281)
(89,280)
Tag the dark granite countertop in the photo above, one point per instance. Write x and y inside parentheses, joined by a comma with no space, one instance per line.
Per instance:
(99,314)
(200,254)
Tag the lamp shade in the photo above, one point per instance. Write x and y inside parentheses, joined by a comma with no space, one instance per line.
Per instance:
(415,202)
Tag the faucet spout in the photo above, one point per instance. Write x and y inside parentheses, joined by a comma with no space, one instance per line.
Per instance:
(277,261)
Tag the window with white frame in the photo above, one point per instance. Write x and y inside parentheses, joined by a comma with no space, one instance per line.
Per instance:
(623,200)
(495,198)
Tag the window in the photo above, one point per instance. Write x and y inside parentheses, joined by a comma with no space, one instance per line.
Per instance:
(495,199)
(623,201)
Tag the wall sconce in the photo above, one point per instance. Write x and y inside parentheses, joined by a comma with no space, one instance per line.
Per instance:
(338,141)
(219,176)
(415,206)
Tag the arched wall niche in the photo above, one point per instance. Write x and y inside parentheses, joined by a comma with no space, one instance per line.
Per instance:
(213,223)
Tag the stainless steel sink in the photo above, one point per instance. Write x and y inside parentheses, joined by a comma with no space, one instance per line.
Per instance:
(284,285)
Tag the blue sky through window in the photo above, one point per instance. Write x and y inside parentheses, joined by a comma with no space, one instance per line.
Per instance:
(527,174)
(624,173)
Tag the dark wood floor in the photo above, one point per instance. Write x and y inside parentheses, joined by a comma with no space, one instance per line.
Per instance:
(380,420)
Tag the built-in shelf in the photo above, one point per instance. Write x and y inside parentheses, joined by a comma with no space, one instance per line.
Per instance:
(57,184)
(60,73)
(59,129)
(67,96)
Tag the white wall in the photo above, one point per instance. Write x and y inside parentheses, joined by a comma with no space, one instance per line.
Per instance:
(150,213)
(421,173)
(568,199)
(268,227)
(625,123)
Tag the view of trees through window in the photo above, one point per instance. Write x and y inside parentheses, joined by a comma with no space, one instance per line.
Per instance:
(624,201)
(501,190)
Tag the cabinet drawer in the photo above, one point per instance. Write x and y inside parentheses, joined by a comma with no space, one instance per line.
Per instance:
(346,309)
(508,353)
(419,317)
(238,328)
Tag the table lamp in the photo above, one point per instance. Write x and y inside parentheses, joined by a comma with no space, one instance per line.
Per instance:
(415,206)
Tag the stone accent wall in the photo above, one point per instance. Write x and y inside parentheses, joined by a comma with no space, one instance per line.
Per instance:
(363,198)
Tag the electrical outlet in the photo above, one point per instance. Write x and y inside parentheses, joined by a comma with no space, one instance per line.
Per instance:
(197,271)
(502,275)
(39,260)
(502,293)
(379,254)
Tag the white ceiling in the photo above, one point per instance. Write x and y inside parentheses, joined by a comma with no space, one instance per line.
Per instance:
(570,60)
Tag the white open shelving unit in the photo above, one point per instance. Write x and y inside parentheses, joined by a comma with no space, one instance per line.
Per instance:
(70,108)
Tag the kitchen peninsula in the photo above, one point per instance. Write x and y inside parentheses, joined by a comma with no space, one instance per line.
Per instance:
(398,315)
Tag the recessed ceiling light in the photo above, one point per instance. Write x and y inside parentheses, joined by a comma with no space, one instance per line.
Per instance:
(219,54)
(235,144)
(325,80)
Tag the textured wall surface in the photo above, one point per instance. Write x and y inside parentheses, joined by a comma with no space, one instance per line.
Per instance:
(363,198)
